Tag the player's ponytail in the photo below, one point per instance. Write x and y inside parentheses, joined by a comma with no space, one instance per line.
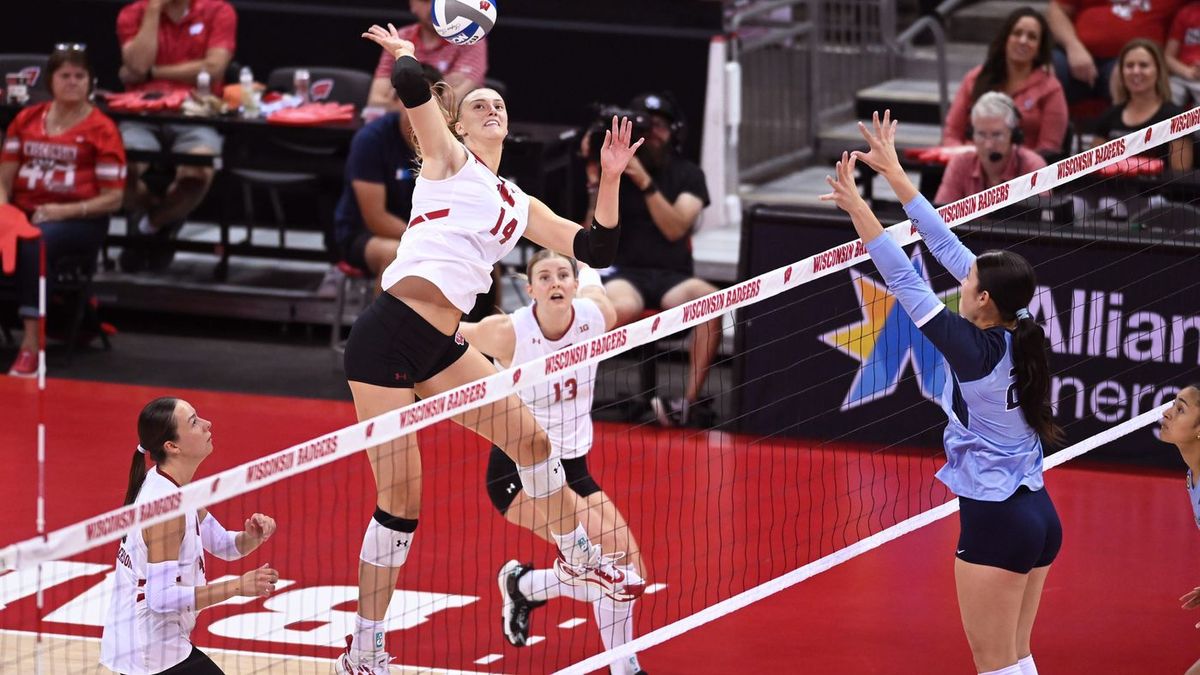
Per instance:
(1010,281)
(156,426)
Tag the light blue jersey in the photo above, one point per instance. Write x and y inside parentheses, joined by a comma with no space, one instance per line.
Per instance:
(1194,497)
(990,449)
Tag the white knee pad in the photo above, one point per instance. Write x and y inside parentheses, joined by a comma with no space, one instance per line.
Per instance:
(543,479)
(383,547)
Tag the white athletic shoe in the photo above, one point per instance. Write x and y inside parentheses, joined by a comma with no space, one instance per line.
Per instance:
(622,584)
(345,665)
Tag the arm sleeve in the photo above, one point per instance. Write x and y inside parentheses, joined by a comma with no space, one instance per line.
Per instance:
(971,353)
(903,281)
(11,151)
(128,22)
(163,593)
(224,29)
(955,131)
(946,247)
(217,540)
(110,159)
(1053,128)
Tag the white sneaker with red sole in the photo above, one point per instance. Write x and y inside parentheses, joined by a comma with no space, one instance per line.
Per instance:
(601,570)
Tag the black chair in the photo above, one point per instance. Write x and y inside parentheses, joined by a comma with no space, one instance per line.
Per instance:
(33,65)
(325,85)
(73,279)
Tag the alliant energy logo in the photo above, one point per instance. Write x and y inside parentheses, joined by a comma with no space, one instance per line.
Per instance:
(1087,329)
(886,341)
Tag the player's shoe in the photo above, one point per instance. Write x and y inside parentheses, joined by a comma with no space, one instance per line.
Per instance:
(601,570)
(345,665)
(670,412)
(25,365)
(515,608)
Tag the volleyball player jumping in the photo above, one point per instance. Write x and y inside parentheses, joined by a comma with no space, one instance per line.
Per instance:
(563,407)
(159,586)
(465,219)
(998,405)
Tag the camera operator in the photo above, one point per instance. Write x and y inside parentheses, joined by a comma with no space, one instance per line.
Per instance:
(662,195)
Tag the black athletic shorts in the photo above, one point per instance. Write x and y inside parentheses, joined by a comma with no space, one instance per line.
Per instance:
(652,284)
(503,481)
(1017,534)
(390,345)
(197,663)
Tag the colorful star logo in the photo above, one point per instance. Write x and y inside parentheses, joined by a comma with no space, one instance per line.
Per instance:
(886,341)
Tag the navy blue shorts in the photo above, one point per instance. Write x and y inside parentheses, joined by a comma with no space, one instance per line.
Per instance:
(1017,534)
(503,481)
(390,345)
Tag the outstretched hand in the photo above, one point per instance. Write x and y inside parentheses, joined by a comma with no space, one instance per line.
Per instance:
(845,190)
(1191,600)
(389,38)
(881,139)
(259,528)
(617,151)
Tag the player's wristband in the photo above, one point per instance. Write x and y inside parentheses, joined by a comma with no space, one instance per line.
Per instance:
(409,82)
(597,245)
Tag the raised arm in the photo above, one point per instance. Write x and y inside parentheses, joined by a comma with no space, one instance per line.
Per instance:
(946,247)
(595,245)
(441,153)
(591,287)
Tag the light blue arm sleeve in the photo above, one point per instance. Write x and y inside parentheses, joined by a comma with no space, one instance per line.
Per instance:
(903,281)
(945,246)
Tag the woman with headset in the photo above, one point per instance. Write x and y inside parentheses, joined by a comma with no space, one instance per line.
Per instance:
(995,129)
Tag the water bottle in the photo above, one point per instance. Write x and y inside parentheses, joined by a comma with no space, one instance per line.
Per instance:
(249,100)
(203,84)
(300,82)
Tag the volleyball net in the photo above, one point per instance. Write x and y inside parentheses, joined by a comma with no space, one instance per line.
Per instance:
(826,448)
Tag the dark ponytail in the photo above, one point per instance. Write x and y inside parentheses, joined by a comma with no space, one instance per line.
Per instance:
(1010,281)
(156,426)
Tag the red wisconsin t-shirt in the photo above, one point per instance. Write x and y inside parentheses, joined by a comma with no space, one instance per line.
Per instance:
(1104,26)
(69,167)
(1186,29)
(207,24)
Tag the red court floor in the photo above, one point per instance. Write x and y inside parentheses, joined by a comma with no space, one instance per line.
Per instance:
(716,514)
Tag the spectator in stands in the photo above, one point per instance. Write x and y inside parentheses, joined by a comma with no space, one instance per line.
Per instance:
(1183,55)
(165,44)
(373,211)
(463,66)
(1092,32)
(996,130)
(63,165)
(1017,64)
(662,195)
(1142,96)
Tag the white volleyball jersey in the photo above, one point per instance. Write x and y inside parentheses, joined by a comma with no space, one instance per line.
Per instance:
(460,227)
(138,640)
(562,405)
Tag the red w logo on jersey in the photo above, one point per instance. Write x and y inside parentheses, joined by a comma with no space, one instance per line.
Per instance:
(31,73)
(321,89)
(505,194)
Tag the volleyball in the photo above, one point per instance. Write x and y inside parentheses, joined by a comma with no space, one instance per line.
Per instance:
(463,22)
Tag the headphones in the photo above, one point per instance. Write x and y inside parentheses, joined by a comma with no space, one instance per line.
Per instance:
(1018,134)
(664,104)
